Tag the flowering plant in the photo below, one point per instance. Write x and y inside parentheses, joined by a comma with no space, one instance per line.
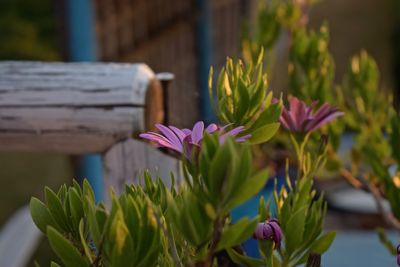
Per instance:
(190,224)
(369,116)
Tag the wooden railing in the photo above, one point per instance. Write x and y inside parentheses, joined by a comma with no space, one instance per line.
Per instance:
(78,108)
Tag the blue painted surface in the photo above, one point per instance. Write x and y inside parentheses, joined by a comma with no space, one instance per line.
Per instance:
(90,167)
(81,30)
(350,248)
(250,209)
(359,248)
(82,47)
(204,46)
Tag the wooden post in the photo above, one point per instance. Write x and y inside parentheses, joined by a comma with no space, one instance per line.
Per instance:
(80,108)
(126,161)
(74,108)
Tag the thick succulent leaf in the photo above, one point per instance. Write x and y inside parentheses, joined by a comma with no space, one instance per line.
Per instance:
(264,133)
(56,209)
(237,233)
(249,188)
(41,215)
(322,244)
(64,249)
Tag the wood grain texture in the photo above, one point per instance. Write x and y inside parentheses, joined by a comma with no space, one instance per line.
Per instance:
(25,83)
(74,108)
(126,161)
(67,130)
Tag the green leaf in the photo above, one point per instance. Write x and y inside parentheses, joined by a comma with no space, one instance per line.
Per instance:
(68,254)
(237,233)
(264,133)
(88,191)
(322,244)
(219,169)
(268,116)
(122,240)
(250,188)
(53,264)
(243,260)
(94,228)
(83,241)
(294,229)
(56,209)
(243,101)
(239,173)
(77,187)
(75,203)
(266,249)
(41,215)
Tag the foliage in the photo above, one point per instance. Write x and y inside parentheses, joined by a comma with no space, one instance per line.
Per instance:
(143,222)
(243,99)
(369,113)
(189,224)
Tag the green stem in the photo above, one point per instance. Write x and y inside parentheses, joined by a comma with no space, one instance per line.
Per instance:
(300,152)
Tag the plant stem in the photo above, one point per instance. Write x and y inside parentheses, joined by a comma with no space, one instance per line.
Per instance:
(351,179)
(300,153)
(369,187)
(387,215)
(216,236)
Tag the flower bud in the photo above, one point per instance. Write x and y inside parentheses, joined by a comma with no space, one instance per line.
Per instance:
(269,229)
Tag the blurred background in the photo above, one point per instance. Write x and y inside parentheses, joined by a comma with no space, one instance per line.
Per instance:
(184,37)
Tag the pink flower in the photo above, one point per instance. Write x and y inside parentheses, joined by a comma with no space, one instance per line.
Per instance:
(269,229)
(183,141)
(302,118)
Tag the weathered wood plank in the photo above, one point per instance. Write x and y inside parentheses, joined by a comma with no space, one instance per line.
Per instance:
(67,130)
(126,161)
(75,108)
(25,83)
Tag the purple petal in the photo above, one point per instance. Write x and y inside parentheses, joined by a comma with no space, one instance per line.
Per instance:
(187,146)
(170,135)
(317,124)
(161,140)
(287,121)
(235,131)
(243,138)
(297,111)
(197,132)
(323,111)
(283,121)
(310,108)
(277,232)
(212,128)
(181,135)
(259,232)
(154,137)
(232,132)
(186,131)
(268,231)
